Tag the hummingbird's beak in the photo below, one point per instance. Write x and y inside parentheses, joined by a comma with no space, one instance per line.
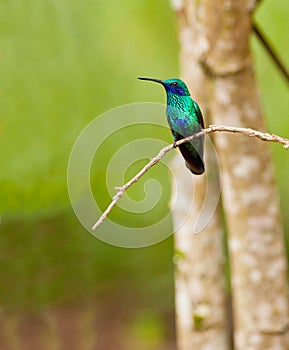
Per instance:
(152,79)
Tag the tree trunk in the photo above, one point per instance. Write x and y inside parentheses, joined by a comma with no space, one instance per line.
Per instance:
(202,315)
(199,277)
(220,37)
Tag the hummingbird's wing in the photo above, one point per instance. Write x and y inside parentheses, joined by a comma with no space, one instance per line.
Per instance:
(192,151)
(197,166)
(198,114)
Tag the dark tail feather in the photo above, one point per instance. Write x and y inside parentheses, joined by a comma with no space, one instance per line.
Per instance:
(194,161)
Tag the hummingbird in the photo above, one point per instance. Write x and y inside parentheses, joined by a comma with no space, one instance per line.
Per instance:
(184,118)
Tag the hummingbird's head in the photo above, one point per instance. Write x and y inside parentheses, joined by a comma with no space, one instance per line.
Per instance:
(173,86)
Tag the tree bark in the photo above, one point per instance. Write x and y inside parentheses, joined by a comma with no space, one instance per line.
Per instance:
(256,244)
(202,317)
(201,308)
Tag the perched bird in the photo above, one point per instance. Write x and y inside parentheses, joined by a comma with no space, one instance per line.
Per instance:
(184,118)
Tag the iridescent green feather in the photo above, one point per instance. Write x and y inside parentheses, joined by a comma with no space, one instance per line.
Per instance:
(184,118)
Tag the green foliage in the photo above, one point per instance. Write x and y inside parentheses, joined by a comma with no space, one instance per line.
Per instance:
(53,261)
(63,63)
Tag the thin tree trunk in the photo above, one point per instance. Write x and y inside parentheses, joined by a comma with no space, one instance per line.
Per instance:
(199,276)
(202,315)
(259,283)
(250,198)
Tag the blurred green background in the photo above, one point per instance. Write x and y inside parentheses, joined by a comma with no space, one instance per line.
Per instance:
(62,64)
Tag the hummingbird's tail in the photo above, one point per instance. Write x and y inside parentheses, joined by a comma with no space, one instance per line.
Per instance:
(193,157)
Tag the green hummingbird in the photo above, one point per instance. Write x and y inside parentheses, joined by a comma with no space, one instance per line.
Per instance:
(185,118)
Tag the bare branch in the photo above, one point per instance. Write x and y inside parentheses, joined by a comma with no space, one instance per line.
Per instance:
(249,132)
(212,128)
(271,52)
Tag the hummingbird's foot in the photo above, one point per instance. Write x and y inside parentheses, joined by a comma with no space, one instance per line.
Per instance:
(175,144)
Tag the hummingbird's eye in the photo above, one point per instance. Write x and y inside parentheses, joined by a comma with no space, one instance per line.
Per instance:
(174,83)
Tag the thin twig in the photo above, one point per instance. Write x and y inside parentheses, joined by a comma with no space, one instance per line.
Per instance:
(212,128)
(268,47)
